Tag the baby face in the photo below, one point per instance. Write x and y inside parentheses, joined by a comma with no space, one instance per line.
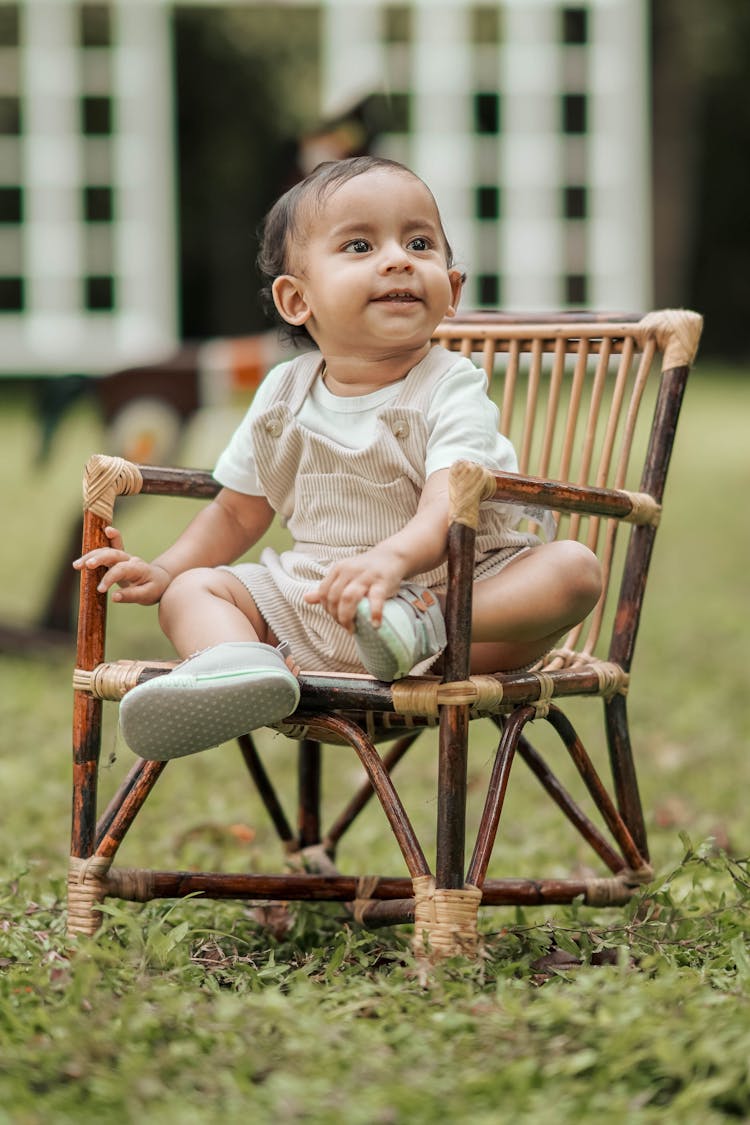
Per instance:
(371,275)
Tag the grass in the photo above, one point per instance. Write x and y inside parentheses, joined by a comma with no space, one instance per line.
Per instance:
(194,1012)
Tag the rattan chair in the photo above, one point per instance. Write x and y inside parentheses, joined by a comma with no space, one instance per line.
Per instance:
(591,404)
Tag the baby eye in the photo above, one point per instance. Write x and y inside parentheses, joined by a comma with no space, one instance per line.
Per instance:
(419,243)
(357,246)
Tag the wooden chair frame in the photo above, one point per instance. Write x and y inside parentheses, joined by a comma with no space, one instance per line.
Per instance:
(589,491)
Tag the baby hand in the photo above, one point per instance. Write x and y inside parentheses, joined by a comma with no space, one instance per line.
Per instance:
(140,582)
(376,575)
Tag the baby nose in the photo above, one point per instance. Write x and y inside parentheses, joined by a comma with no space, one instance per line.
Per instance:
(395,257)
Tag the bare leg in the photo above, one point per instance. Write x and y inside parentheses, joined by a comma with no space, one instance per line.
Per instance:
(205,607)
(520,613)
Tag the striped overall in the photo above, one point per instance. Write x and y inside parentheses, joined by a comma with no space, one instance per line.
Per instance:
(338,502)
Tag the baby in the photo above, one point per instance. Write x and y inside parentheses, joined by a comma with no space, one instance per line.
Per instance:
(350,443)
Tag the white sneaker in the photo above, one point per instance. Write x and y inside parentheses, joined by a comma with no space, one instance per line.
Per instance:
(412,630)
(223,692)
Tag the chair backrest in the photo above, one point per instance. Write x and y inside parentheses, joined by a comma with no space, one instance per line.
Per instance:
(591,400)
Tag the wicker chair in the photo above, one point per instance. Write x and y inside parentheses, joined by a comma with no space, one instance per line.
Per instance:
(591,403)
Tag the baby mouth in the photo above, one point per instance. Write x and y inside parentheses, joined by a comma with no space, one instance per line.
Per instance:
(397,295)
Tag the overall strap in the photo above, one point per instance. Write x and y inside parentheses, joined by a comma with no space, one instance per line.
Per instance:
(294,385)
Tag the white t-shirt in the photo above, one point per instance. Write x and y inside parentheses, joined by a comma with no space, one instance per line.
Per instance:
(461,419)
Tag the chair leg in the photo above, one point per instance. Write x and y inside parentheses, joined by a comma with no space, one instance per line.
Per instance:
(131,781)
(113,827)
(308,773)
(87,877)
(87,711)
(568,806)
(630,862)
(454,720)
(614,821)
(623,771)
(87,873)
(91,880)
(446,907)
(364,794)
(452,783)
(493,805)
(266,791)
(382,784)
(87,735)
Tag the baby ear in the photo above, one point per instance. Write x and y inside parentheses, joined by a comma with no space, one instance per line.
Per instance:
(290,300)
(457,279)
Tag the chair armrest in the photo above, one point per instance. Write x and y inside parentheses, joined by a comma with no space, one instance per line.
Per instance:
(160,480)
(559,496)
(105,478)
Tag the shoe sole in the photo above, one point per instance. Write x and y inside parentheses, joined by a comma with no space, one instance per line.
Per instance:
(175,715)
(382,650)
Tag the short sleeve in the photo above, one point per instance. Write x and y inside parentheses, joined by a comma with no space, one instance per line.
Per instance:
(463,423)
(235,467)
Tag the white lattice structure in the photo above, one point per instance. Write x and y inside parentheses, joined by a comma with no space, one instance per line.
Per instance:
(88,274)
(528,119)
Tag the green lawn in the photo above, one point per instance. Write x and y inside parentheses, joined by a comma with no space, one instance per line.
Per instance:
(194,1013)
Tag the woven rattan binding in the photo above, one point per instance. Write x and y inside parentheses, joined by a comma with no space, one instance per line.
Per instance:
(87,886)
(105,479)
(445,920)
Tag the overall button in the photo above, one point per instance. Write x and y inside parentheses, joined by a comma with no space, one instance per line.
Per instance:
(275,427)
(400,428)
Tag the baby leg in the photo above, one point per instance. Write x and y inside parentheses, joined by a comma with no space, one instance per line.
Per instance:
(207,606)
(520,613)
(235,680)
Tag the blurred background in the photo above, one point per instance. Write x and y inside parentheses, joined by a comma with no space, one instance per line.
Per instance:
(591,155)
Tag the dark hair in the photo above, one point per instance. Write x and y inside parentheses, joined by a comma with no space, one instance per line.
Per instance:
(281,225)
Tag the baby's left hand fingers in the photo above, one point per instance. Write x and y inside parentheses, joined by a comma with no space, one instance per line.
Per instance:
(377,596)
(115,538)
(340,596)
(353,594)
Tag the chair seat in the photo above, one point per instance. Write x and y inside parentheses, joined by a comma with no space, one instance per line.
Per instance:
(386,711)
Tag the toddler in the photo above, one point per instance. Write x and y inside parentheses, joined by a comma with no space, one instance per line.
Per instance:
(350,443)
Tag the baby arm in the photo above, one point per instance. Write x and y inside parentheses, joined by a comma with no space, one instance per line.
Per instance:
(377,574)
(219,534)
